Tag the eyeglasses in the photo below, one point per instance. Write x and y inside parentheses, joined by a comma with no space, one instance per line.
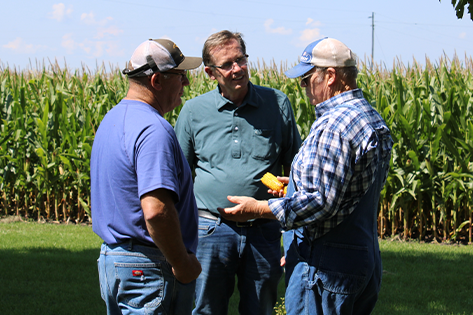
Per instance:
(182,74)
(228,66)
(304,78)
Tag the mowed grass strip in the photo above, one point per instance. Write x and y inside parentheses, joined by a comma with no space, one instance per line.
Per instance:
(424,278)
(49,269)
(52,269)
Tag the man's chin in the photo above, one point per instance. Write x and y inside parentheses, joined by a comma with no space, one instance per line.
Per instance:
(240,84)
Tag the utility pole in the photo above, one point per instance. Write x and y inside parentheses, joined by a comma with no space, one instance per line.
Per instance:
(372,40)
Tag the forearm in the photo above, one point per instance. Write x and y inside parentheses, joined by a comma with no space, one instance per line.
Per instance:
(247,208)
(164,229)
(162,222)
(263,210)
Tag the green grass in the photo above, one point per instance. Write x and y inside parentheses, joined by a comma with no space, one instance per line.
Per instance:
(51,269)
(426,279)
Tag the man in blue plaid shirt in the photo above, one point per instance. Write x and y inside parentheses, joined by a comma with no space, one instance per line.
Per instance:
(333,264)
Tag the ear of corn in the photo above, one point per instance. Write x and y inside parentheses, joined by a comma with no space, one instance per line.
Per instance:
(270,181)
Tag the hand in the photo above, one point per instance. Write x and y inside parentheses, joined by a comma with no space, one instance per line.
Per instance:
(189,271)
(279,193)
(283,261)
(247,208)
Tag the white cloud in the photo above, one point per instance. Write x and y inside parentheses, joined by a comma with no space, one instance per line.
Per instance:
(112,30)
(59,12)
(279,30)
(101,25)
(310,34)
(312,23)
(19,45)
(97,49)
(89,19)
(113,49)
(462,35)
(68,43)
(94,49)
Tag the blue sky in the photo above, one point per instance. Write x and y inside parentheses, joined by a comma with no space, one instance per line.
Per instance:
(97,32)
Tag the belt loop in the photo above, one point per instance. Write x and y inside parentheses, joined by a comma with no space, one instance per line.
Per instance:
(130,245)
(104,249)
(219,220)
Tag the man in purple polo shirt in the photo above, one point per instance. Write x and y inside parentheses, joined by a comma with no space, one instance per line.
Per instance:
(143,205)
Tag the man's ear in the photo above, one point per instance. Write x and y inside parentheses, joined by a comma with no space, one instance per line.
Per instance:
(209,72)
(332,76)
(156,80)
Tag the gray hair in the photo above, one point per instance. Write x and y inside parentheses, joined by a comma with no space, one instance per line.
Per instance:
(347,75)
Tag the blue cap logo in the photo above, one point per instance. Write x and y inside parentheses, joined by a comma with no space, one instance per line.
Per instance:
(306,57)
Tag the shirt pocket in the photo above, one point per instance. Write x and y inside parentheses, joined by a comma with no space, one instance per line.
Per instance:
(263,145)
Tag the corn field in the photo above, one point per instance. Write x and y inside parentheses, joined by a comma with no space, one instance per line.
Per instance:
(49,117)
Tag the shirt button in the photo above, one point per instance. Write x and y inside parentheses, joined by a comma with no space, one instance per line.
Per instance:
(236,128)
(236,141)
(236,114)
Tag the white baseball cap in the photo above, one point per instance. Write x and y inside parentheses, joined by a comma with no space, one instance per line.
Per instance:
(325,52)
(158,55)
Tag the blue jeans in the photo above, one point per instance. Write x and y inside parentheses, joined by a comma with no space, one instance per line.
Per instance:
(250,253)
(136,279)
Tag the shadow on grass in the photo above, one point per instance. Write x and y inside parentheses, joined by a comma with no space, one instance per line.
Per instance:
(426,283)
(50,281)
(59,281)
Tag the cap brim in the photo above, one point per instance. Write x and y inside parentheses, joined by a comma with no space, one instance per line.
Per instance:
(299,70)
(189,63)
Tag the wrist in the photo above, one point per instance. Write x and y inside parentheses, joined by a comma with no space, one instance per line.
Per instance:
(263,210)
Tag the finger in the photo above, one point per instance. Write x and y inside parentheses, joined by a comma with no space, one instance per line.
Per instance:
(226,212)
(234,199)
(283,261)
(283,179)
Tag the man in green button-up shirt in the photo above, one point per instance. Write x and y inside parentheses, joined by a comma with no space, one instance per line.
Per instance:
(231,137)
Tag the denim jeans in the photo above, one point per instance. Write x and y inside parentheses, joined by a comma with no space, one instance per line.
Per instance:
(136,279)
(250,253)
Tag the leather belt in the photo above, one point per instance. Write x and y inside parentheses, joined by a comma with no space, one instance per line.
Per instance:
(207,214)
(136,242)
(204,213)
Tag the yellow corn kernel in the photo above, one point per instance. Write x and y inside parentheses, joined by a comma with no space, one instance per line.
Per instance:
(285,190)
(270,181)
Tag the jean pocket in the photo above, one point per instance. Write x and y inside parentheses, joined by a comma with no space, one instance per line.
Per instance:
(141,285)
(343,268)
(207,228)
